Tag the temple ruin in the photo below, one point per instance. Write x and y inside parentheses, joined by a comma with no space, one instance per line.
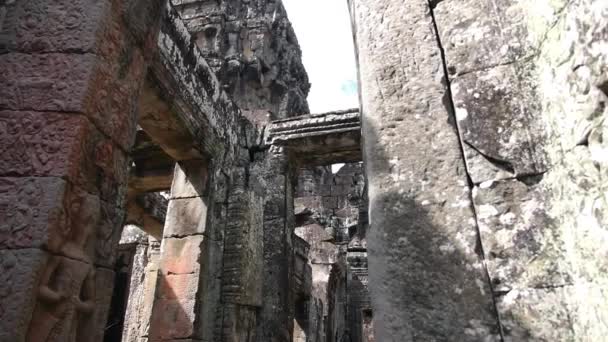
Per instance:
(162,177)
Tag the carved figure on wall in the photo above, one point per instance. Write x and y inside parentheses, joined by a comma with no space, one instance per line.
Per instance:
(67,288)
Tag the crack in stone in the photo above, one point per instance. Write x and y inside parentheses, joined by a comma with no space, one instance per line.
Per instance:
(522,59)
(499,163)
(603,88)
(179,236)
(452,112)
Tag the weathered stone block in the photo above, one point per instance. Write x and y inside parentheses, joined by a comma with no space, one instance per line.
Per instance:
(75,83)
(174,313)
(180,287)
(309,202)
(322,251)
(172,319)
(186,217)
(243,250)
(479,35)
(190,179)
(20,271)
(330,202)
(113,92)
(60,26)
(31,212)
(65,146)
(502,137)
(45,82)
(209,296)
(239,323)
(181,256)
(522,244)
(422,250)
(542,314)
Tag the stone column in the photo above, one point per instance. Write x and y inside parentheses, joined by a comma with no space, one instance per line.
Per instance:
(243,268)
(144,274)
(71,74)
(275,322)
(427,277)
(187,288)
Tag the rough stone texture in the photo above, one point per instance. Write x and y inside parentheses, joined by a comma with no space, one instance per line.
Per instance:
(29,214)
(71,75)
(571,71)
(252,48)
(211,118)
(275,321)
(535,111)
(188,289)
(521,252)
(359,311)
(143,271)
(242,274)
(147,210)
(243,251)
(319,139)
(423,236)
(20,273)
(328,216)
(337,306)
(484,132)
(502,137)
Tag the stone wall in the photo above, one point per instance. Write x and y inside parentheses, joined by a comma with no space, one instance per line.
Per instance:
(143,272)
(71,75)
(492,157)
(253,50)
(328,210)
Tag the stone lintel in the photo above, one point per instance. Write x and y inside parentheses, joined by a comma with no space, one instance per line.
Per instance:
(200,116)
(320,139)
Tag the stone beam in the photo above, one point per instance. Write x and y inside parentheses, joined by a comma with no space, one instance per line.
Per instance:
(320,139)
(158,119)
(148,211)
(184,108)
(153,169)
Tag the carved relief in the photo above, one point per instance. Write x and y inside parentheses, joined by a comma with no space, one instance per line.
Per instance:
(29,214)
(67,289)
(35,144)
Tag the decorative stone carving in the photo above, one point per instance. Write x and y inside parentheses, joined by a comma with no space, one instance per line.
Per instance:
(67,287)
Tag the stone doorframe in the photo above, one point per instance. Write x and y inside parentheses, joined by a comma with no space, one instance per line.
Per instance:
(72,77)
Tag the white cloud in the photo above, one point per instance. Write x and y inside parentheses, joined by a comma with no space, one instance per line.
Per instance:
(324,33)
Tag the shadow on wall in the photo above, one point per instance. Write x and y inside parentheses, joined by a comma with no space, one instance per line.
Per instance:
(427,278)
(169,320)
(185,260)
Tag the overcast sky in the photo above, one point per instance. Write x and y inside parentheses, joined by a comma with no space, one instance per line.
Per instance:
(324,34)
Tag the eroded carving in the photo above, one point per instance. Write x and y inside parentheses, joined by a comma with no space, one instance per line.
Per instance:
(67,289)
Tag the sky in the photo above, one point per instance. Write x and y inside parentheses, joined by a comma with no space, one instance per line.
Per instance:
(324,33)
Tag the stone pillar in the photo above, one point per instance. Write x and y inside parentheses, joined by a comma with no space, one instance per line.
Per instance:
(187,290)
(71,74)
(242,272)
(275,322)
(427,276)
(142,287)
